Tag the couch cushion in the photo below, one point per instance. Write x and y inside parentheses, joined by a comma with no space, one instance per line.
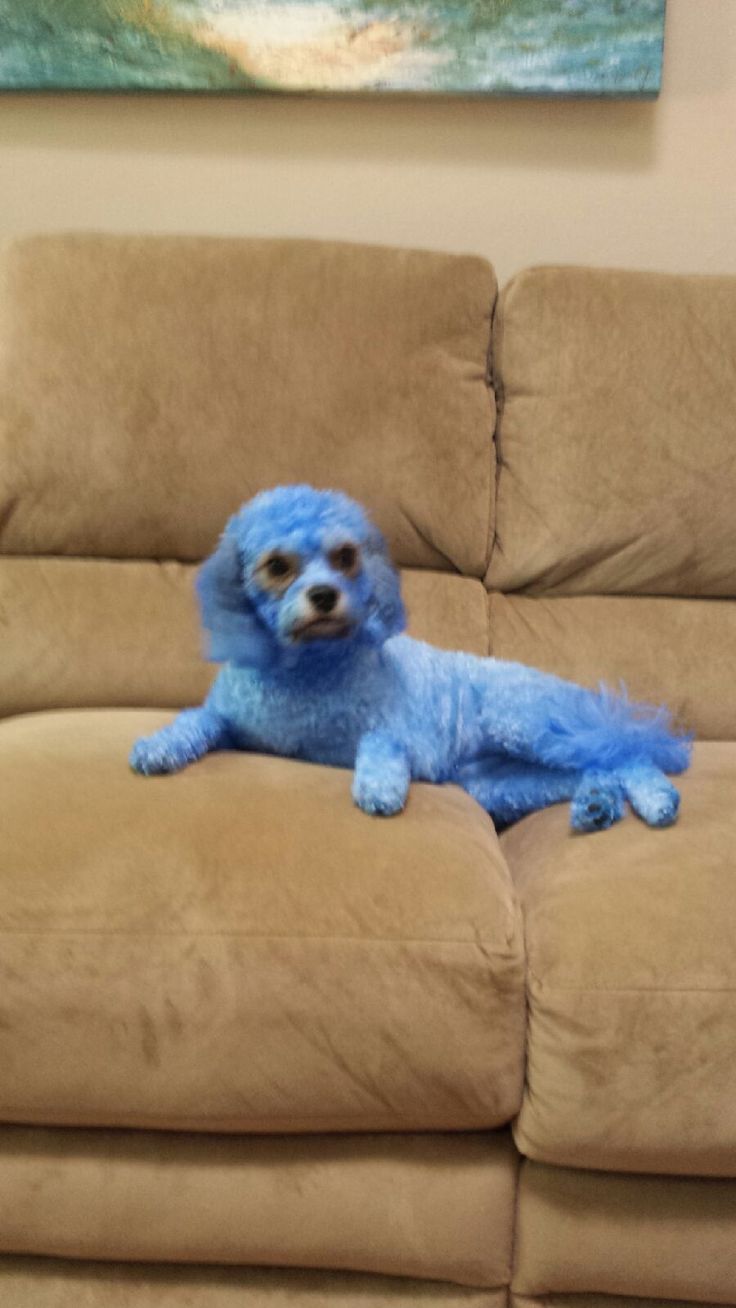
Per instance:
(52,1283)
(239,948)
(181,375)
(617,433)
(102,633)
(677,652)
(593,1300)
(671,1238)
(632,984)
(434,1206)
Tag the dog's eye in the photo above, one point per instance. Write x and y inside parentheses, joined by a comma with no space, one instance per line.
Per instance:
(278,568)
(345,558)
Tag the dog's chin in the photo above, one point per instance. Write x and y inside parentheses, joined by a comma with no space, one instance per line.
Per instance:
(335,629)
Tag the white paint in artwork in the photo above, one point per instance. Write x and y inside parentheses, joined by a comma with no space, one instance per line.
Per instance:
(260,23)
(317,44)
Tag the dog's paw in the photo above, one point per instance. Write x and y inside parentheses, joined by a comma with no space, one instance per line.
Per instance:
(153,756)
(653,798)
(383,801)
(596,804)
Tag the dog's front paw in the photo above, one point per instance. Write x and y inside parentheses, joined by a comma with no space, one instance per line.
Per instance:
(382,775)
(155,755)
(378,801)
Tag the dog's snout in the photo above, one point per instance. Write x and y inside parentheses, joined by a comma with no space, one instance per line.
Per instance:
(323,598)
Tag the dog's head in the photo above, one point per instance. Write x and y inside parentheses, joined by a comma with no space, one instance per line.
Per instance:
(297,573)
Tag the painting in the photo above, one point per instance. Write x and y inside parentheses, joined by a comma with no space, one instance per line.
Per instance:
(461,47)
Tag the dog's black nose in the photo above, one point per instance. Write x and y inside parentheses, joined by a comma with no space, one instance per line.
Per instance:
(322,598)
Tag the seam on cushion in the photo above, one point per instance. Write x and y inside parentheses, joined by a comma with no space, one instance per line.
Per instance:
(489,620)
(516,1209)
(525,1090)
(480,944)
(495,348)
(499,385)
(479,1124)
(545,987)
(490,383)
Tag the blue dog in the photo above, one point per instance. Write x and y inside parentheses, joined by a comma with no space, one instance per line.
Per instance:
(304,609)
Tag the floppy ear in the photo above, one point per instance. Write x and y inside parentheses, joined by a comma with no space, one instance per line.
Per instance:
(236,633)
(387,615)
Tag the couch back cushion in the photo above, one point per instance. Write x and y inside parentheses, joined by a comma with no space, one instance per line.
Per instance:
(125,633)
(678,652)
(616,440)
(149,385)
(616,434)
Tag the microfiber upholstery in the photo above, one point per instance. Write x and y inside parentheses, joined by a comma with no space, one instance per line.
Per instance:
(617,458)
(238,948)
(56,1283)
(93,633)
(588,1300)
(631,1042)
(339,1202)
(149,385)
(648,1237)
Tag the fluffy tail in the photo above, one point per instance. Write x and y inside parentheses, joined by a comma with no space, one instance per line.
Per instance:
(606,730)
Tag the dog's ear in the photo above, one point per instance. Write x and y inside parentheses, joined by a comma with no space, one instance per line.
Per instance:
(387,615)
(236,633)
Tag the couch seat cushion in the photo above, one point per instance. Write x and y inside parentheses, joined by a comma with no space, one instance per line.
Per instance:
(632,984)
(655,1239)
(437,1205)
(60,1283)
(239,948)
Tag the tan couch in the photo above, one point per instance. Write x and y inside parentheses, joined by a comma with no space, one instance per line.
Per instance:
(256,1048)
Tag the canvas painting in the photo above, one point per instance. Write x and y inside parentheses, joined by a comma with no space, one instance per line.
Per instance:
(465,47)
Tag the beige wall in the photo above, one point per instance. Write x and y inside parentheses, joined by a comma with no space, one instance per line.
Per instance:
(625,184)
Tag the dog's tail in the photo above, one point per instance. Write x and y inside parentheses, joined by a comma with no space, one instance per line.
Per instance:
(604,729)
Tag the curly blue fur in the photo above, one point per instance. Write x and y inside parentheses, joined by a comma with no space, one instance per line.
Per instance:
(347,689)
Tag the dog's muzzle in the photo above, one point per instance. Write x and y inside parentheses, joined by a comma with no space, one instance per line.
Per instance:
(323,599)
(321,629)
(325,617)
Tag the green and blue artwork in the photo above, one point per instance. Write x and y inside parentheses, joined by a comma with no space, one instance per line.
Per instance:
(465,47)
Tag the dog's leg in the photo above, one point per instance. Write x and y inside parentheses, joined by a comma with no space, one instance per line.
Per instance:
(509,790)
(191,735)
(382,774)
(651,795)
